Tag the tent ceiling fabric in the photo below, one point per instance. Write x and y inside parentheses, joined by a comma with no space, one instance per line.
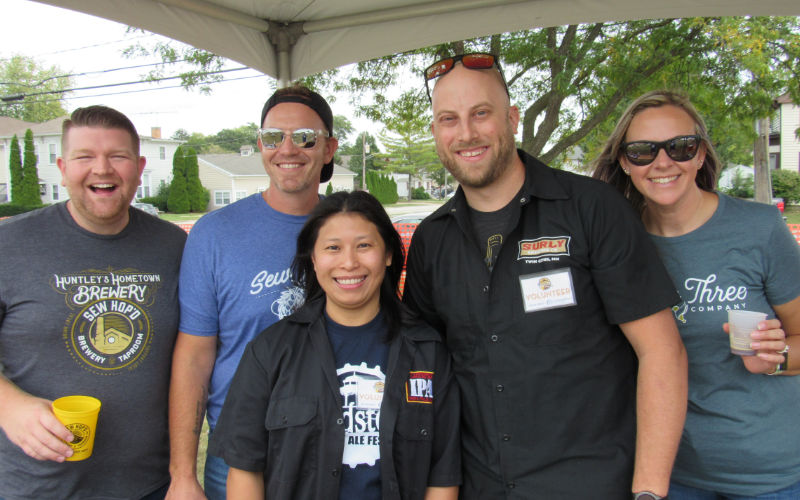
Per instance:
(325,34)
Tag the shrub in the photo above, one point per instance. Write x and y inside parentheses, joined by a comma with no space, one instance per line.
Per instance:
(741,186)
(9,209)
(786,185)
(329,189)
(420,194)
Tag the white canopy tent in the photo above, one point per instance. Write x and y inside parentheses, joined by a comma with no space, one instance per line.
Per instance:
(289,39)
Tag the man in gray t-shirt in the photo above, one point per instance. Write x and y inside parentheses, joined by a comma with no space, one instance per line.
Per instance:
(88,305)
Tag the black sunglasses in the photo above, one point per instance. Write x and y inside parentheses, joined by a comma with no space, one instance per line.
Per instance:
(476,60)
(681,148)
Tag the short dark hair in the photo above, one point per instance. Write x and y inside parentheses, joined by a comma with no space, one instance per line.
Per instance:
(608,169)
(366,205)
(99,116)
(316,102)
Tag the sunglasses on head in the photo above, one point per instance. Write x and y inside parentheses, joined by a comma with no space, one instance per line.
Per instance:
(681,148)
(306,138)
(476,60)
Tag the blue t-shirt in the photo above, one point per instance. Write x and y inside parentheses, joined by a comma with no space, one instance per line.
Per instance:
(741,435)
(361,355)
(235,281)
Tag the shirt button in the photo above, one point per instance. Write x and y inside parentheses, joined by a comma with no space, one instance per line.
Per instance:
(506,437)
(423,432)
(494,338)
(499,387)
(339,421)
(485,288)
(511,486)
(335,472)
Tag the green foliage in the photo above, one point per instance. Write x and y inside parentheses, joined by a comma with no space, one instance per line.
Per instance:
(420,194)
(382,187)
(23,75)
(198,200)
(178,200)
(741,185)
(786,185)
(15,168)
(329,189)
(30,175)
(409,146)
(229,140)
(160,199)
(9,209)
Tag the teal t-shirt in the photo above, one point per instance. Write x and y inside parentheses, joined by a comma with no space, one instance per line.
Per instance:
(741,435)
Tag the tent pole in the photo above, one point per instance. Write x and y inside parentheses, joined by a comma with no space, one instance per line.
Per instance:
(283,36)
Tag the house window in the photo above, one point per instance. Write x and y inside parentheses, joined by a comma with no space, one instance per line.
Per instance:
(144,188)
(222,198)
(240,195)
(52,151)
(55,192)
(42,189)
(162,152)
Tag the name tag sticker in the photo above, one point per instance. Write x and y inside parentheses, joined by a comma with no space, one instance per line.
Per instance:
(547,290)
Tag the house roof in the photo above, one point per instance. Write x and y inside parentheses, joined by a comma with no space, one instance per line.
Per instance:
(784,99)
(11,126)
(237,165)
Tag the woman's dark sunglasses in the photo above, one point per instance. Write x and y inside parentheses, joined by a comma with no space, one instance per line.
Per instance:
(681,148)
(476,60)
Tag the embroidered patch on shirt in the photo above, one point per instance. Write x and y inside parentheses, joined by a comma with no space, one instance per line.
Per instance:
(547,290)
(553,245)
(419,388)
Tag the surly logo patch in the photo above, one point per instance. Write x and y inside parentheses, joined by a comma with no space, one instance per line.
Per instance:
(110,329)
(541,248)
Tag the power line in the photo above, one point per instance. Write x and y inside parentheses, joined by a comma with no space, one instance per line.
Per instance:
(19,97)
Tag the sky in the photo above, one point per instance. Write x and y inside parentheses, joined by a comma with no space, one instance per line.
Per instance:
(79,43)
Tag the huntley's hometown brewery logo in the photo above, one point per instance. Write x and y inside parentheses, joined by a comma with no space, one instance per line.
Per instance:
(110,328)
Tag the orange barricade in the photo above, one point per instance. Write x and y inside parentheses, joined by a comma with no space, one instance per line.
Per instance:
(405,230)
(186,226)
(795,229)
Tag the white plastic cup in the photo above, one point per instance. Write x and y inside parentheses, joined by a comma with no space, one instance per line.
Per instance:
(742,324)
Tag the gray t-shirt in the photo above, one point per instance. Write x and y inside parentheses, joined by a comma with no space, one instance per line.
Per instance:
(741,435)
(82,313)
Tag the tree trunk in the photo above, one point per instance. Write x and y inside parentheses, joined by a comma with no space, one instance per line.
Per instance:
(761,177)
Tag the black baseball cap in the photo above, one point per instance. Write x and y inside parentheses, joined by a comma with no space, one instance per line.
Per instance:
(314,101)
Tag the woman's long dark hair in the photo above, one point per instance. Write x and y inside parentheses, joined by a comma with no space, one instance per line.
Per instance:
(366,205)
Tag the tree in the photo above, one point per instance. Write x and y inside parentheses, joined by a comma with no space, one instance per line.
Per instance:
(342,128)
(198,195)
(15,168)
(741,185)
(22,75)
(382,187)
(178,201)
(358,159)
(30,175)
(232,139)
(409,147)
(572,82)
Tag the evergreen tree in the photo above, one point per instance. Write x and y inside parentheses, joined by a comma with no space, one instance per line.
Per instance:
(329,189)
(15,166)
(382,187)
(30,175)
(178,201)
(197,198)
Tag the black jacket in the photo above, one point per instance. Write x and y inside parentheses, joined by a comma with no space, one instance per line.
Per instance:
(283,413)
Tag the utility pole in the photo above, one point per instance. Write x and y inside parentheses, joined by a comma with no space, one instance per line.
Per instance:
(763,185)
(364,151)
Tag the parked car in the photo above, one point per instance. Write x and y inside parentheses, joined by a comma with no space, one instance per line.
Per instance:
(145,207)
(778,202)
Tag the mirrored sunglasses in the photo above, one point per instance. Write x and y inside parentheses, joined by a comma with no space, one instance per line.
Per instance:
(681,148)
(476,60)
(272,138)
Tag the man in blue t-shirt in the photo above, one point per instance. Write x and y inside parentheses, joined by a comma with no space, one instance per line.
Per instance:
(235,276)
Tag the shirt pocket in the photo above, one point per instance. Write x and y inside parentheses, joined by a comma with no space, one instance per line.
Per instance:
(412,448)
(293,435)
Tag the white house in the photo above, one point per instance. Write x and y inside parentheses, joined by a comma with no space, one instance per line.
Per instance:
(784,145)
(230,177)
(47,145)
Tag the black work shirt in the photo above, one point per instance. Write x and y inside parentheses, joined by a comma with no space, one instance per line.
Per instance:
(283,413)
(547,378)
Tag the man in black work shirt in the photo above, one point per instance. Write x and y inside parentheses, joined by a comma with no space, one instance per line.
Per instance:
(542,281)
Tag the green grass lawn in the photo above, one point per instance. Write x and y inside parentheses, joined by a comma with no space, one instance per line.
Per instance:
(792,214)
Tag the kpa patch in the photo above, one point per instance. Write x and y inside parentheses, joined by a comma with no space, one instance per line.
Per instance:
(419,387)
